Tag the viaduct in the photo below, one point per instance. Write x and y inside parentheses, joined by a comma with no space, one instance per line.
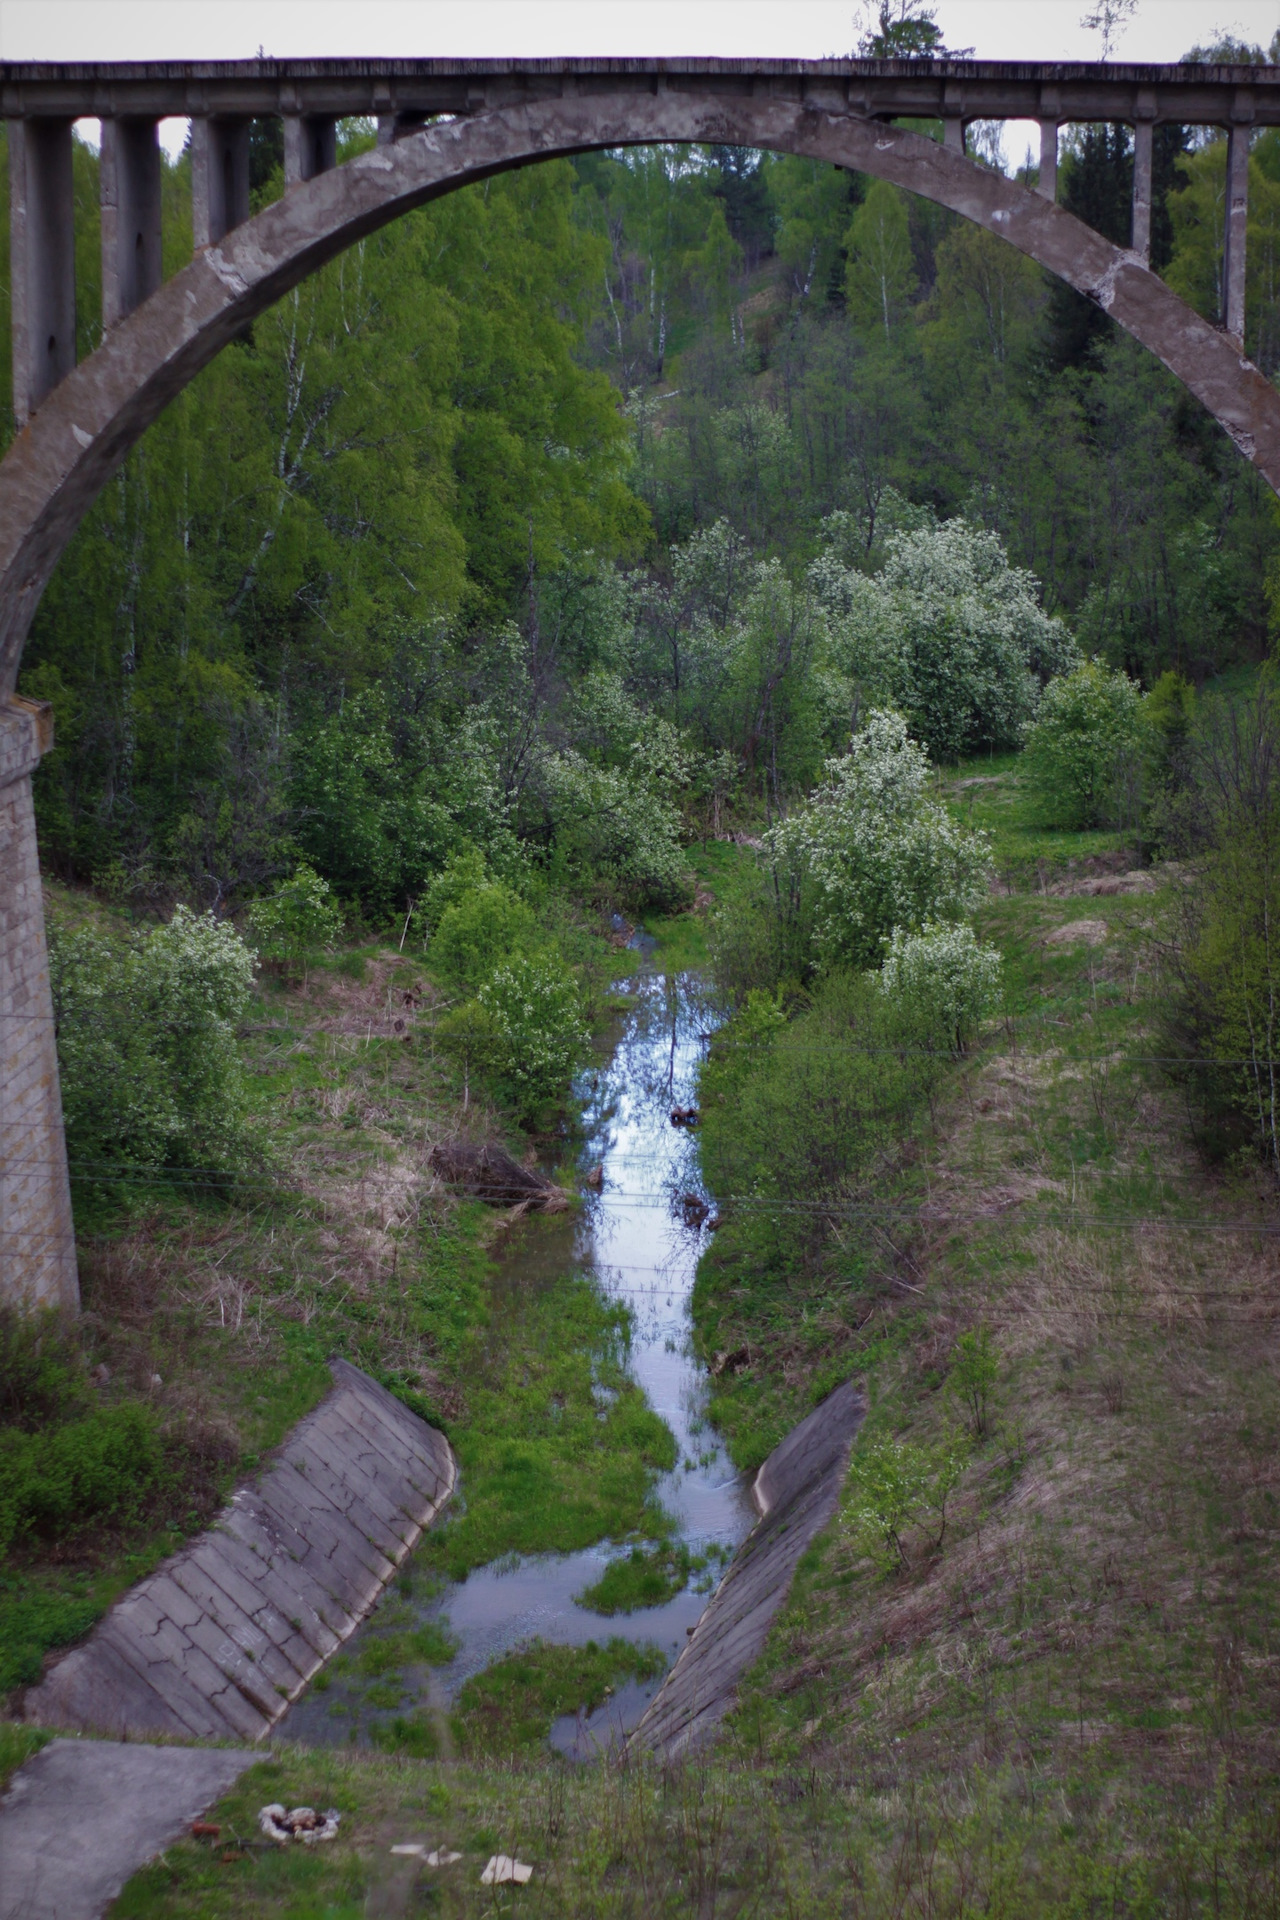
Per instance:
(442,124)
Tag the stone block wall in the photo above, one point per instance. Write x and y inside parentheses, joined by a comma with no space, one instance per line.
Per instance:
(37,1243)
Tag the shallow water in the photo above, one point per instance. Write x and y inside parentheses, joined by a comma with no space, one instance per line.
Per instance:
(634,1237)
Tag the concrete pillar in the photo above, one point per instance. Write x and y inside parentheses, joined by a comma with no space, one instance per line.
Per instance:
(129,172)
(310,147)
(1233,258)
(219,178)
(37,1244)
(42,259)
(1048,181)
(394,126)
(953,135)
(1142,146)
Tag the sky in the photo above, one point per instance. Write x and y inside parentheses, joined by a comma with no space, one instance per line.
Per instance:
(797,29)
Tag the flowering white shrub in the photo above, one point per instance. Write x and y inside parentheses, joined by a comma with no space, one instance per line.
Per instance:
(943,979)
(949,632)
(535,1026)
(882,855)
(147,1049)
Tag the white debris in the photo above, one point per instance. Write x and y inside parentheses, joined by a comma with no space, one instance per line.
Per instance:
(502,1871)
(442,1858)
(301,1823)
(411,1847)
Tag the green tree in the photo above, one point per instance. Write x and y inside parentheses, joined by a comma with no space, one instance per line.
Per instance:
(881,276)
(1082,750)
(296,918)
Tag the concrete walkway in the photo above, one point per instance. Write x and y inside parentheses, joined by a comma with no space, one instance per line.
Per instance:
(82,1815)
(796,1491)
(221,1638)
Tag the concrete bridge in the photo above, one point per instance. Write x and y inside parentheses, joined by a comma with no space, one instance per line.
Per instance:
(442,124)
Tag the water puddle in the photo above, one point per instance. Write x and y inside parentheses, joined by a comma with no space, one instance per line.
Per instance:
(642,1245)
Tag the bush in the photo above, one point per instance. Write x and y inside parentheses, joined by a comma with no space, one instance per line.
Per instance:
(949,632)
(614,827)
(150,1068)
(477,932)
(944,982)
(894,1486)
(538,1038)
(880,853)
(1082,751)
(100,1466)
(296,919)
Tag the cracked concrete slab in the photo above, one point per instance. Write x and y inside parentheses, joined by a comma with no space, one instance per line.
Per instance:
(220,1639)
(796,1491)
(83,1815)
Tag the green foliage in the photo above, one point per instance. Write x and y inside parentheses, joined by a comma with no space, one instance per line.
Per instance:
(510,1707)
(102,1466)
(147,1051)
(477,933)
(894,1486)
(538,1039)
(880,854)
(1082,750)
(944,981)
(975,1369)
(41,1374)
(881,276)
(645,1577)
(298,916)
(560,1449)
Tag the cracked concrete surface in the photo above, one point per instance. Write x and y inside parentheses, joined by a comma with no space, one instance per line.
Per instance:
(83,1815)
(796,1491)
(220,1639)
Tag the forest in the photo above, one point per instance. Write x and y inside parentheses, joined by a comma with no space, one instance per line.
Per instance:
(706,587)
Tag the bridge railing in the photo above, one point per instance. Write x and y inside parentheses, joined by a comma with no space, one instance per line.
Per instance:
(221,100)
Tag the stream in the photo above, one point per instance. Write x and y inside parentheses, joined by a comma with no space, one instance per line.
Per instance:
(635,1239)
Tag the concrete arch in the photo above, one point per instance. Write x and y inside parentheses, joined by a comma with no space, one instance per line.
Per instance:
(63,457)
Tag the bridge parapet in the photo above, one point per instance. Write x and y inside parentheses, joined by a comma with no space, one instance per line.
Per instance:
(222,98)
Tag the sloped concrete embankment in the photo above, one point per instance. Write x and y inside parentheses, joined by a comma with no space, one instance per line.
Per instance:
(222,1637)
(796,1491)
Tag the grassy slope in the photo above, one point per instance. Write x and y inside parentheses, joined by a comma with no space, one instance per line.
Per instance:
(1070,1708)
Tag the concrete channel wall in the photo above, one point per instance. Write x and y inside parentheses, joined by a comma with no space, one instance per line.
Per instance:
(218,1641)
(796,1491)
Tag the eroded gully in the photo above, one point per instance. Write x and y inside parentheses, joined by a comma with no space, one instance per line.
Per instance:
(637,1242)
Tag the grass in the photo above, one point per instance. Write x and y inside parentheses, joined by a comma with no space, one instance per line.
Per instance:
(988,794)
(644,1577)
(218,1312)
(511,1706)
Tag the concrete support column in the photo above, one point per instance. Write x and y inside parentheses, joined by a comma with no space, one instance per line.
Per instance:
(953,135)
(37,1244)
(310,146)
(1048,181)
(130,176)
(394,126)
(1142,147)
(43,259)
(1233,257)
(219,178)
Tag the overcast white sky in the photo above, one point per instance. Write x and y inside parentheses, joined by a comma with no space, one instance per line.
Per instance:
(797,29)
(235,29)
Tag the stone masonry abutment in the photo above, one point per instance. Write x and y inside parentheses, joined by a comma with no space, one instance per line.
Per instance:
(440,126)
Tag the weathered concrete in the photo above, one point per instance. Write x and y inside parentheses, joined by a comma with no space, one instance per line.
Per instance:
(219,1640)
(37,1243)
(83,1815)
(796,1491)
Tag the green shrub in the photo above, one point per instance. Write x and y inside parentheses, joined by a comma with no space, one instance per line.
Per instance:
(1082,756)
(538,1039)
(477,932)
(42,1375)
(101,1466)
(881,854)
(295,919)
(894,1486)
(147,1051)
(944,982)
